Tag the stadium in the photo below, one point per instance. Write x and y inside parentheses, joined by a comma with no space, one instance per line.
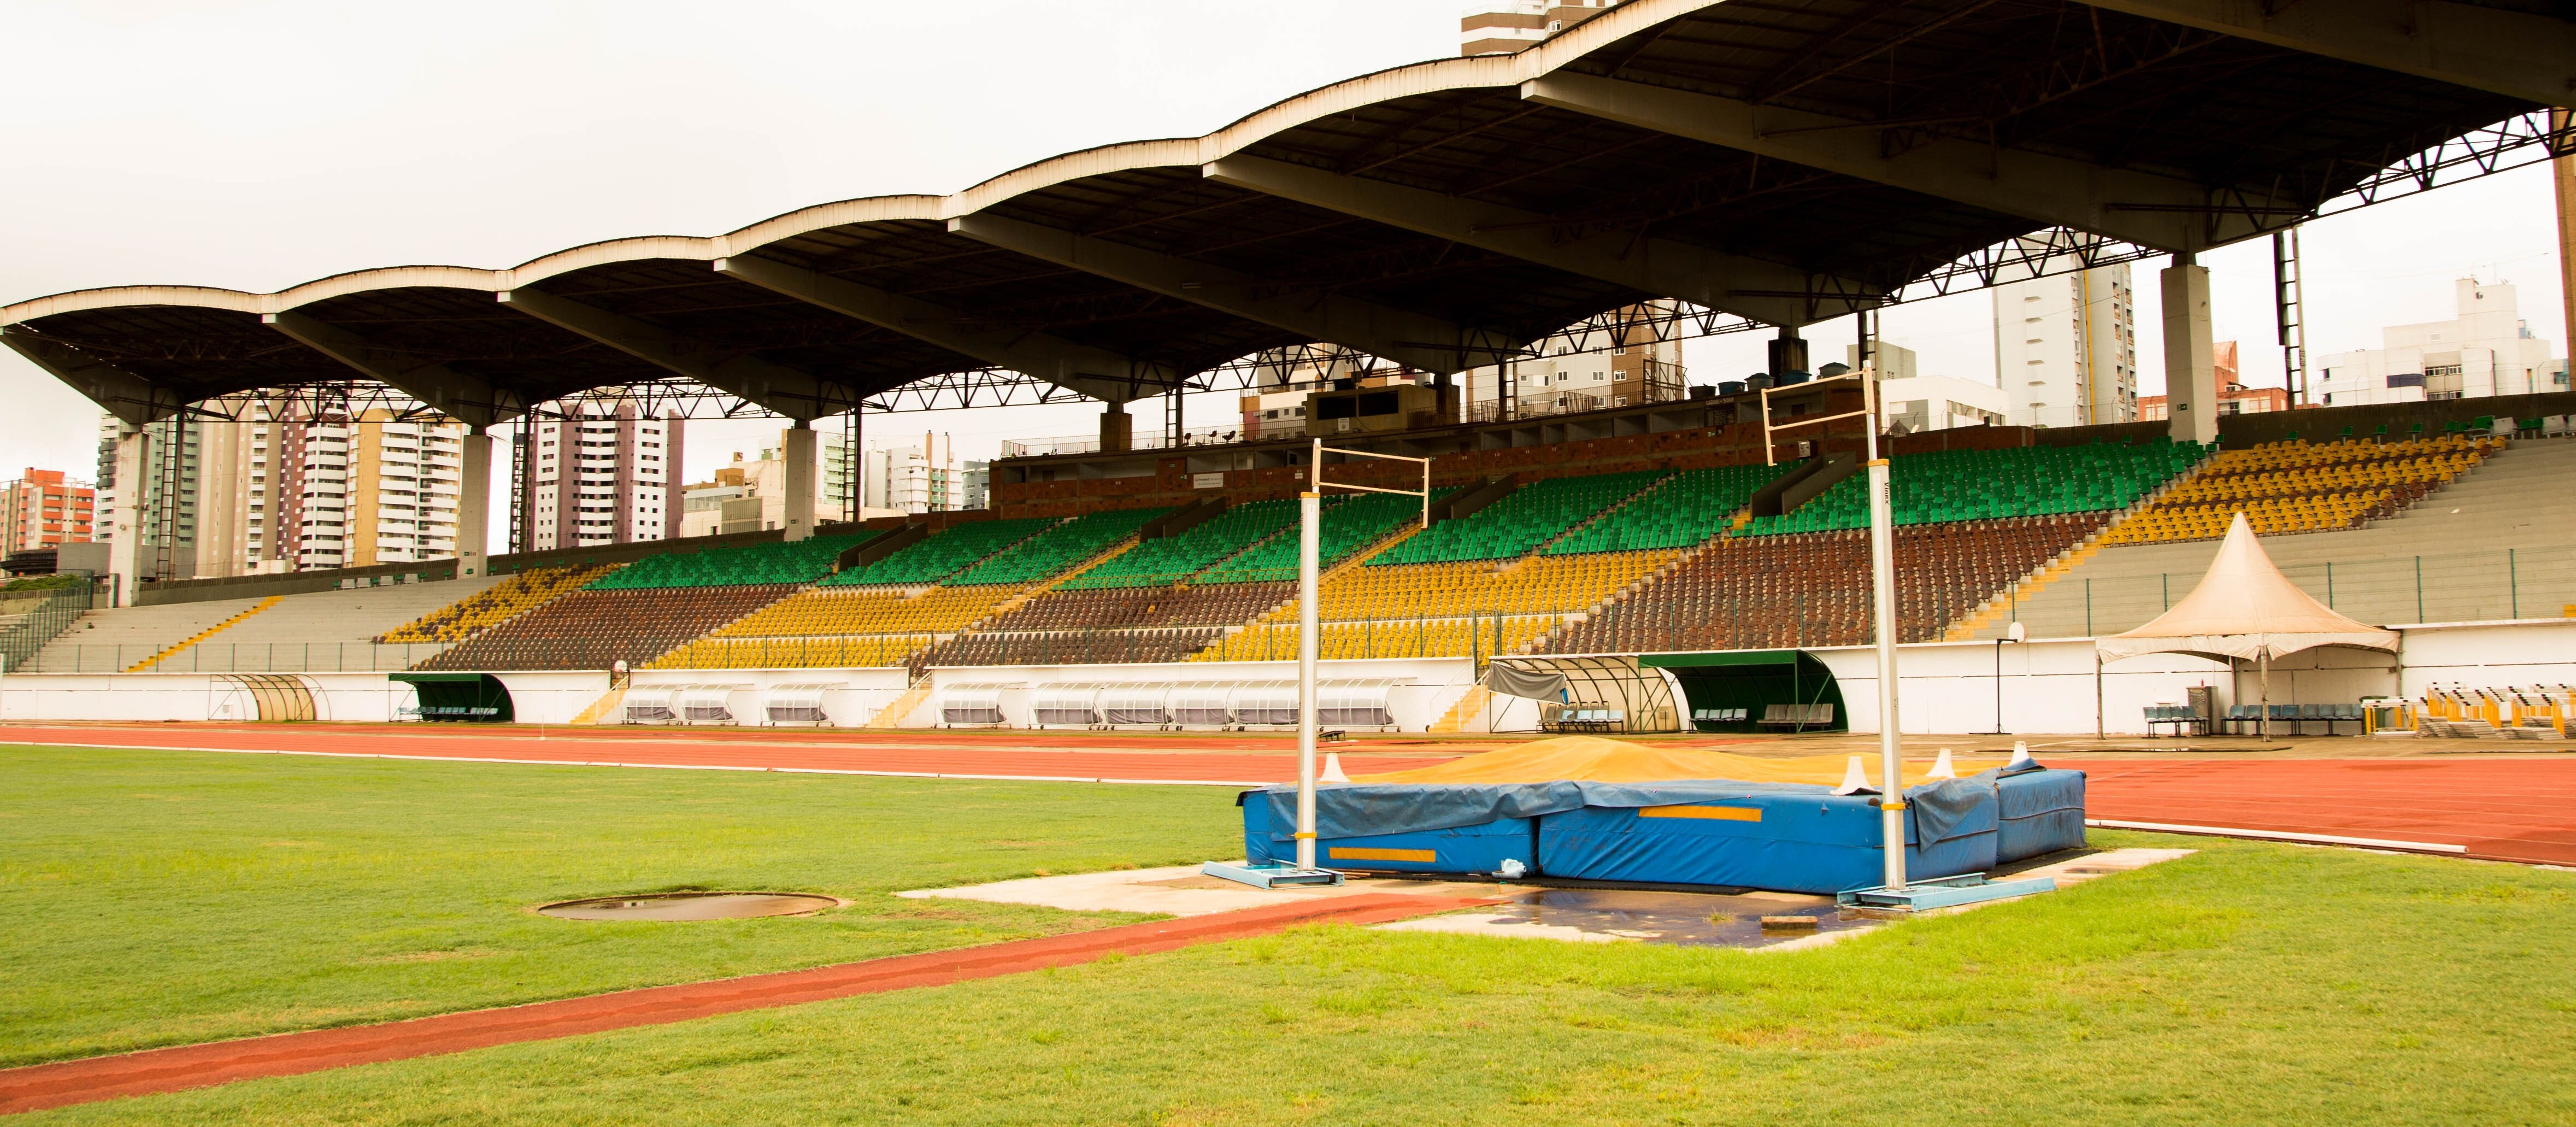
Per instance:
(2309,667)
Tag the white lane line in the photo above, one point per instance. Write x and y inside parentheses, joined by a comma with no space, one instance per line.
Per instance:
(662,766)
(2278,835)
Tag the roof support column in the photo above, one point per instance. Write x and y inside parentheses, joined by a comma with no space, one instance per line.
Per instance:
(2191,360)
(474,504)
(125,514)
(1117,429)
(796,455)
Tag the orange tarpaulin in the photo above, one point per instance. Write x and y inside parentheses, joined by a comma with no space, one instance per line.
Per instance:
(1592,759)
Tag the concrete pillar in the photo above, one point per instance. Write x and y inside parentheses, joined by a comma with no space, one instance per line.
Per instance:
(125,517)
(2191,359)
(2562,175)
(798,460)
(1117,429)
(474,504)
(1788,353)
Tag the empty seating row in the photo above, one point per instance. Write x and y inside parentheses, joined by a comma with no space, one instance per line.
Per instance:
(1539,585)
(838,612)
(1350,522)
(1687,508)
(1813,589)
(861,651)
(1530,516)
(1960,485)
(802,561)
(2297,486)
(1059,547)
(494,605)
(594,629)
(1413,637)
(1172,559)
(941,554)
(1140,607)
(1068,647)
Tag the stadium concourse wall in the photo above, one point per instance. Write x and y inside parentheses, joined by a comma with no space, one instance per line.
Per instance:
(1948,688)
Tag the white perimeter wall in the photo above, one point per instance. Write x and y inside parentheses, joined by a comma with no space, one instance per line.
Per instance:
(1944,687)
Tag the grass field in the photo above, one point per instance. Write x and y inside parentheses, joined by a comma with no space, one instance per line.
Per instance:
(2246,983)
(151,898)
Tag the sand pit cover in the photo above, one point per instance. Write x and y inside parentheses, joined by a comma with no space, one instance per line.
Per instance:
(1591,759)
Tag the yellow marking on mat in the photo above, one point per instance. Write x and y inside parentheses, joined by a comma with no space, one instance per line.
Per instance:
(1342,853)
(1714,813)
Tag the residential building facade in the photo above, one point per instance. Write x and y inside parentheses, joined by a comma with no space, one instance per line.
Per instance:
(602,473)
(45,509)
(2488,349)
(1501,27)
(1911,402)
(2066,348)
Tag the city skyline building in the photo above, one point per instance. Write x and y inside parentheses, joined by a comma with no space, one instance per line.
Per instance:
(2486,349)
(46,509)
(2066,348)
(1910,401)
(602,473)
(1502,27)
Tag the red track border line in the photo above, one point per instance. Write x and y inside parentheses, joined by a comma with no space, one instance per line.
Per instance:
(151,1071)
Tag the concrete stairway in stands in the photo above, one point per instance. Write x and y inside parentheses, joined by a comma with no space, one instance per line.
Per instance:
(326,632)
(109,641)
(2498,542)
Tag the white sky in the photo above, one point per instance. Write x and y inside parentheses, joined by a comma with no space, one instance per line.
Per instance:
(258,145)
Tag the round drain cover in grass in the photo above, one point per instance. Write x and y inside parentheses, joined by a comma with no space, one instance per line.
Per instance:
(690,906)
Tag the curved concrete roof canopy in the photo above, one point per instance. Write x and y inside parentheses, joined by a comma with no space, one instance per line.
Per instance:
(1786,162)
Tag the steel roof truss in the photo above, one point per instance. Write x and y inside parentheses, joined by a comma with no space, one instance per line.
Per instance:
(475,402)
(2516,54)
(1416,340)
(131,398)
(798,395)
(1096,372)
(1660,266)
(2138,207)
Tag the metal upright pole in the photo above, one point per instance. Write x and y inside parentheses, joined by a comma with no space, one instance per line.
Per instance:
(1309,634)
(1882,581)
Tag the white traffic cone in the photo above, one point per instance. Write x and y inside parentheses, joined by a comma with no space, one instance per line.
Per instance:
(1942,768)
(2021,754)
(1332,770)
(1855,780)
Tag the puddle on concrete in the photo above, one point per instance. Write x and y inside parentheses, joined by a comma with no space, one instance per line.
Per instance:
(1689,919)
(690,906)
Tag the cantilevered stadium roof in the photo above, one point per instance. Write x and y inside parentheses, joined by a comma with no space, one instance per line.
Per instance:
(1783,160)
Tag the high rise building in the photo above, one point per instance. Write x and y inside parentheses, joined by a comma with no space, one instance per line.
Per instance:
(2066,348)
(166,492)
(356,492)
(1504,26)
(271,489)
(915,479)
(45,509)
(2488,349)
(601,473)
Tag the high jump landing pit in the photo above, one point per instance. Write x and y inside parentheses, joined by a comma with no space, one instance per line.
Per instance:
(686,906)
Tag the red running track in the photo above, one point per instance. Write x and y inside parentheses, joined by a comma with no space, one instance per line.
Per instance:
(287,1054)
(2513,808)
(1051,756)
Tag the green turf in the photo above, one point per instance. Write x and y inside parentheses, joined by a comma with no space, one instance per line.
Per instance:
(151,898)
(2246,984)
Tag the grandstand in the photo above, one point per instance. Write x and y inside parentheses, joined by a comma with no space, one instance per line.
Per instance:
(2065,537)
(2483,534)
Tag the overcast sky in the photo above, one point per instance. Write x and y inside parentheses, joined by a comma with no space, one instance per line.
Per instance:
(258,145)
